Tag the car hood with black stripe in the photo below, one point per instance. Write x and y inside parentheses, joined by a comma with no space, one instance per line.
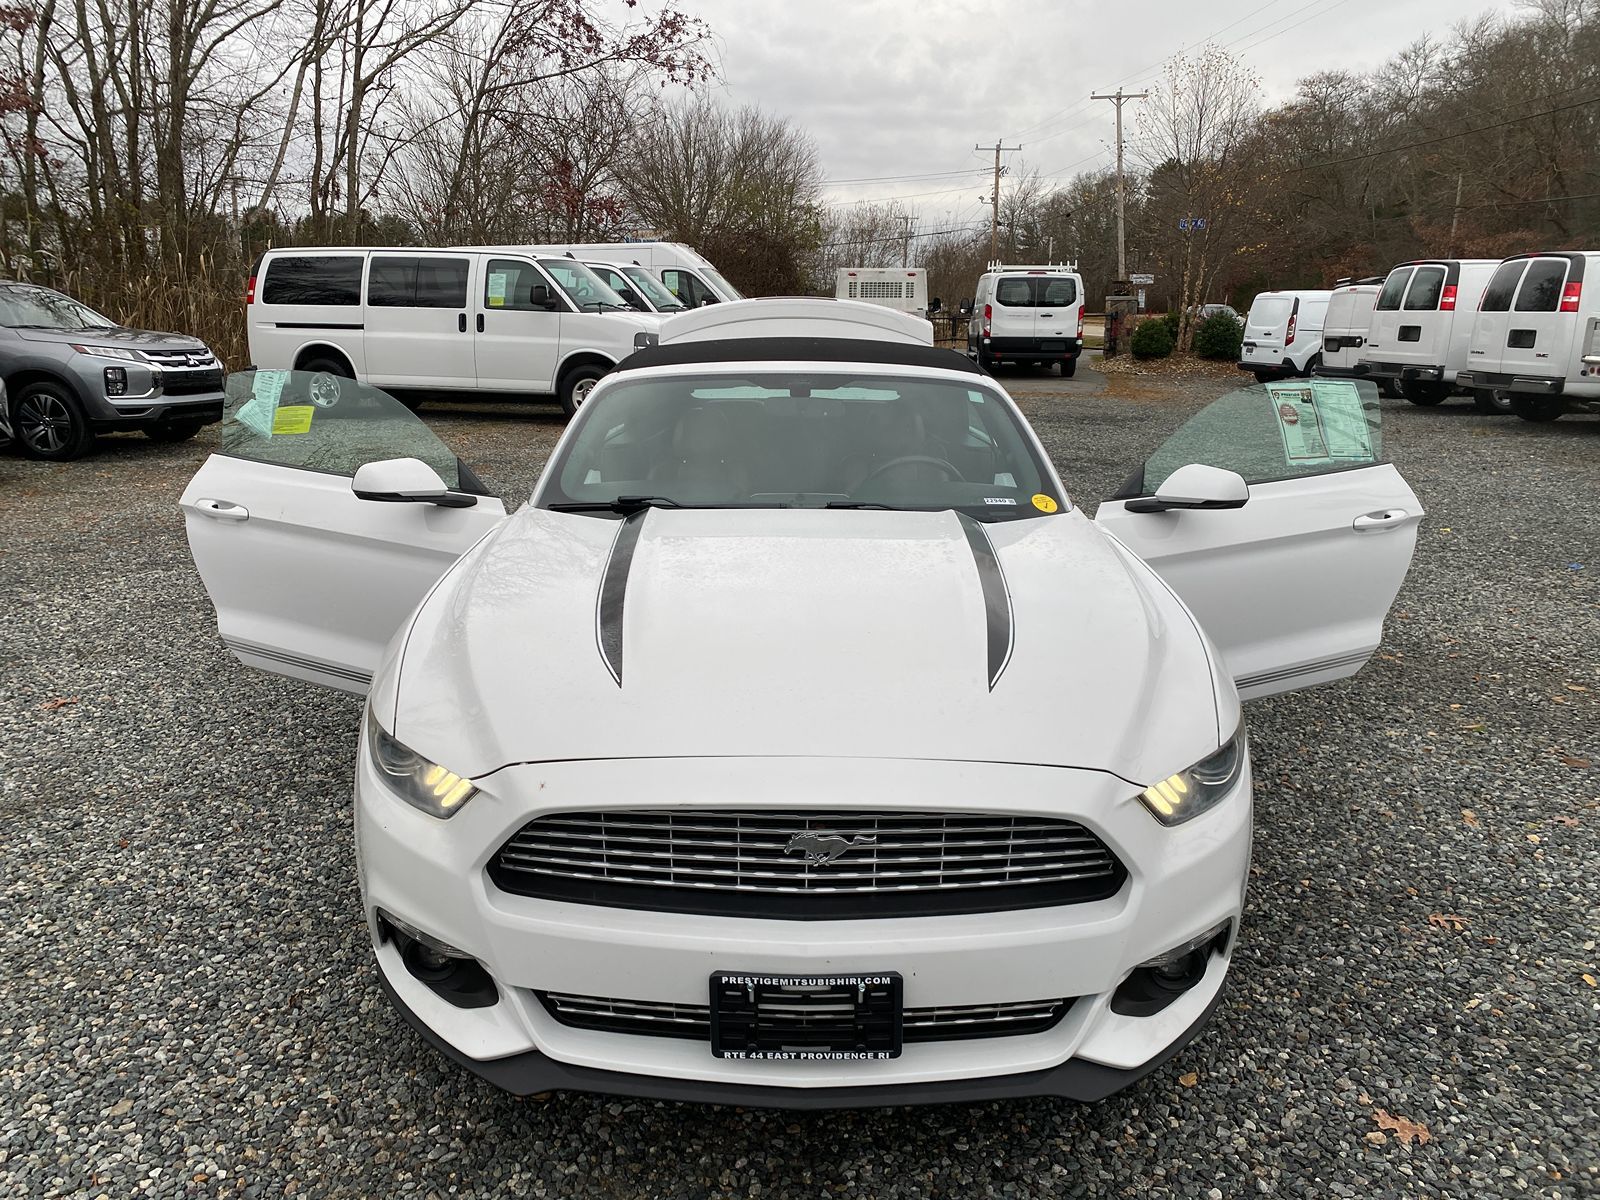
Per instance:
(801,632)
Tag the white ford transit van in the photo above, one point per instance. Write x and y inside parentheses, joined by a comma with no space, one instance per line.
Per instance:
(441,320)
(1421,324)
(1027,315)
(688,276)
(1536,338)
(1283,333)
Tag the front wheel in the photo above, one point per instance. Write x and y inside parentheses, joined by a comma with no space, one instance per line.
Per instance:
(1069,367)
(1492,402)
(576,385)
(174,431)
(50,423)
(1424,393)
(1538,408)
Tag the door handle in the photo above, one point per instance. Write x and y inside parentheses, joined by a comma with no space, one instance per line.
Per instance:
(480,322)
(1376,522)
(222,510)
(461,322)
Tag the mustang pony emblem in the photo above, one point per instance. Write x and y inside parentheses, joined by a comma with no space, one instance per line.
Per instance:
(821,849)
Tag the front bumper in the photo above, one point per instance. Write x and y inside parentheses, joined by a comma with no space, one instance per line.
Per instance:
(431,874)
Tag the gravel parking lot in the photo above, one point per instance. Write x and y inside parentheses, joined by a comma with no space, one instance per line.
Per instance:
(190,1008)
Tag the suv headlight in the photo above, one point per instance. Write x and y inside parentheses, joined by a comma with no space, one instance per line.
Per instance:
(1184,796)
(121,353)
(421,783)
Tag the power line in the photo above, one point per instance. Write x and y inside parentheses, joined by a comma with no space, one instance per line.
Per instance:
(900,237)
(903,178)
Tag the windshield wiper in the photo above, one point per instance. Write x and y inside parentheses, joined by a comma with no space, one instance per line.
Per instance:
(861,504)
(622,504)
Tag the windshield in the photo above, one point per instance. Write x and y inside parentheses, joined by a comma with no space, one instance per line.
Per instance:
(40,308)
(652,288)
(819,439)
(586,289)
(721,284)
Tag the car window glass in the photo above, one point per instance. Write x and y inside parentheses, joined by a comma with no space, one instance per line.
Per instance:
(652,287)
(1426,287)
(791,440)
(1541,286)
(515,284)
(442,282)
(1056,292)
(316,421)
(1014,293)
(1276,431)
(1502,286)
(27,305)
(391,281)
(582,286)
(1270,312)
(1394,288)
(313,279)
(717,278)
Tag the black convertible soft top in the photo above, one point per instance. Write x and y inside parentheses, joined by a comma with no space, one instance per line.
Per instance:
(799,349)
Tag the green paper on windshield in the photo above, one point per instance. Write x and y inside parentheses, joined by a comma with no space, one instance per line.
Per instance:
(257,413)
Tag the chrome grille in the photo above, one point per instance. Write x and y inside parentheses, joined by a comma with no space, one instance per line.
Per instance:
(171,359)
(754,862)
(654,1018)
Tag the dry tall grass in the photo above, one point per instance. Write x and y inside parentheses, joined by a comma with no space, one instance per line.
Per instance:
(203,296)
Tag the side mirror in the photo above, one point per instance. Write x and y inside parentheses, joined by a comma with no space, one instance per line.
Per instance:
(405,481)
(705,300)
(1195,486)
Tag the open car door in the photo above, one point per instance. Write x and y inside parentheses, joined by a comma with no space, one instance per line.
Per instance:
(1292,577)
(309,579)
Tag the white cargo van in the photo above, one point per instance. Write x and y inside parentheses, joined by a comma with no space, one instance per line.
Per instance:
(904,289)
(1283,333)
(1344,330)
(1421,324)
(1027,314)
(688,276)
(642,291)
(1536,338)
(441,320)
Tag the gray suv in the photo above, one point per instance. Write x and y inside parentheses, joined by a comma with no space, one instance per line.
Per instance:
(69,373)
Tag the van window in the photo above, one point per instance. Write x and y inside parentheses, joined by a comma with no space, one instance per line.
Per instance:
(1426,286)
(686,287)
(313,279)
(517,285)
(1058,292)
(402,281)
(1497,296)
(1270,312)
(1394,288)
(1541,286)
(1036,291)
(1014,293)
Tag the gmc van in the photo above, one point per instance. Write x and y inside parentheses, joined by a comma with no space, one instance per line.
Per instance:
(687,275)
(441,320)
(1537,335)
(1031,315)
(1283,334)
(1416,338)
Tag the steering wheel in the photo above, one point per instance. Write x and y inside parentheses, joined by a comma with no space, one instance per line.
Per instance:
(906,460)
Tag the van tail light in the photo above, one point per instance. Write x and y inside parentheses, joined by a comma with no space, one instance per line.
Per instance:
(988,315)
(1447,298)
(1570,295)
(250,291)
(1288,338)
(1080,324)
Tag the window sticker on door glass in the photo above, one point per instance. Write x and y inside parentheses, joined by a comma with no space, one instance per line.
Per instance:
(257,412)
(293,418)
(1345,429)
(1299,424)
(497,289)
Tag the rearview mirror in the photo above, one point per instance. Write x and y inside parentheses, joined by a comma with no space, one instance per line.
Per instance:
(405,481)
(1195,486)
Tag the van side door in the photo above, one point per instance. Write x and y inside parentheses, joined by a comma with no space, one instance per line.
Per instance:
(517,326)
(417,332)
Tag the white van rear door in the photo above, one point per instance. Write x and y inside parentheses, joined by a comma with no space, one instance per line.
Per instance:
(1264,328)
(1056,317)
(1539,334)
(1383,334)
(1488,348)
(1420,339)
(1013,312)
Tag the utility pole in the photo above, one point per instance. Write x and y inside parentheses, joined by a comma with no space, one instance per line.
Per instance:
(908,223)
(994,200)
(1122,187)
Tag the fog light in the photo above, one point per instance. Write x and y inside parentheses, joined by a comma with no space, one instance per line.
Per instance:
(1157,982)
(451,974)
(116,381)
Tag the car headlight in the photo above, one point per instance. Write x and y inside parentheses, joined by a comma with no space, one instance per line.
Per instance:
(117,352)
(1184,796)
(421,783)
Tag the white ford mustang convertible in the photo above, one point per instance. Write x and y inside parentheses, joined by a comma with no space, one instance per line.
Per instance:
(800,742)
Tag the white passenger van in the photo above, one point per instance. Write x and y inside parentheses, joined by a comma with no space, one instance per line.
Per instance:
(904,289)
(1027,314)
(1421,324)
(1283,333)
(441,320)
(1536,340)
(1344,330)
(688,276)
(642,291)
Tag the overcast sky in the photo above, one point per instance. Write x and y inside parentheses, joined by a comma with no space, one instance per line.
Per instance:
(895,88)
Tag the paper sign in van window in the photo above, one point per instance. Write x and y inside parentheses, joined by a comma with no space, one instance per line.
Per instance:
(257,412)
(292,418)
(497,289)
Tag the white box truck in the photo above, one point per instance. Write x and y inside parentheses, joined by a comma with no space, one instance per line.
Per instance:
(904,289)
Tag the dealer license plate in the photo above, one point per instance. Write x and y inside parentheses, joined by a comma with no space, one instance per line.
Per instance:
(806,1018)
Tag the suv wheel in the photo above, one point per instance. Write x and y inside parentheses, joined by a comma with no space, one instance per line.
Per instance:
(576,385)
(49,423)
(173,431)
(1538,408)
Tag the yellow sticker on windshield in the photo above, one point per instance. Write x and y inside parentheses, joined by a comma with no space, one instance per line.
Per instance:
(294,419)
(1044,504)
